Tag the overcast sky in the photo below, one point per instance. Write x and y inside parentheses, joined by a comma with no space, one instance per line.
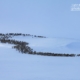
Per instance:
(52,18)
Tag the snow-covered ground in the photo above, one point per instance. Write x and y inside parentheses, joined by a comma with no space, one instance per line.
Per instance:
(58,45)
(17,66)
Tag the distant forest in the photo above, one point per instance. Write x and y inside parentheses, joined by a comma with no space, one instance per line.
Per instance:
(23,47)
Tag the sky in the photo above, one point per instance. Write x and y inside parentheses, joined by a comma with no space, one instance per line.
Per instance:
(52,18)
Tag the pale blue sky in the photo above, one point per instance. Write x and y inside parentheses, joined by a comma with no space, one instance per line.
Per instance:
(41,17)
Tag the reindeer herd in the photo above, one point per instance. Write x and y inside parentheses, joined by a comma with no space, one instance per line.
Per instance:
(23,47)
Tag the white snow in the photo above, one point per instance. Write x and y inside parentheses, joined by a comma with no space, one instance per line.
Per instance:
(5,45)
(17,66)
(58,45)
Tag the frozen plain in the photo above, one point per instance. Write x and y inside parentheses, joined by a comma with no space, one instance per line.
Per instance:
(17,66)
